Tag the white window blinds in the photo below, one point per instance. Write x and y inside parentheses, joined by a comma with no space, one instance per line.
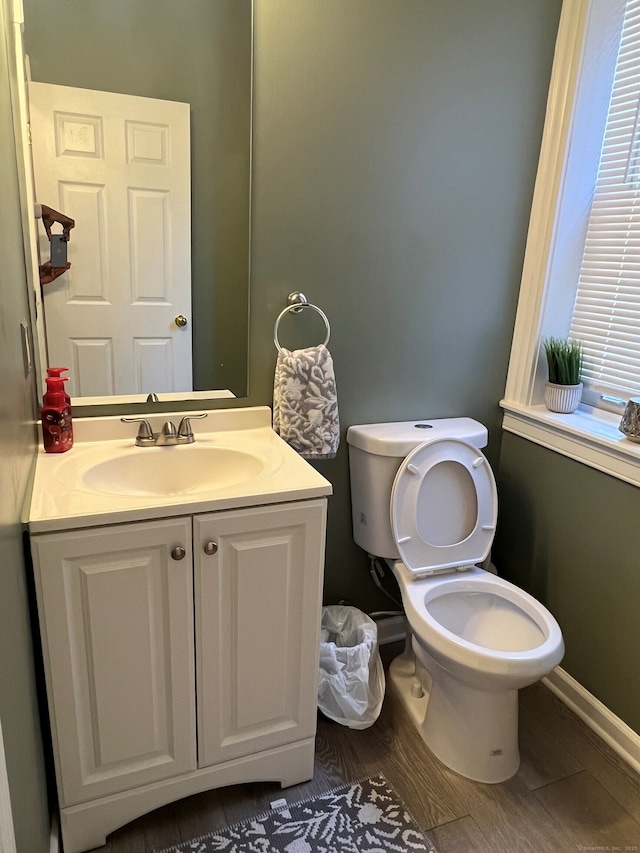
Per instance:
(607,309)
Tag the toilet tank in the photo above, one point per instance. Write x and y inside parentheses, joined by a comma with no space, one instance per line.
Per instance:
(376,452)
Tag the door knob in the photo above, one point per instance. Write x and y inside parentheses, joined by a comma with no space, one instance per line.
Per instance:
(181,321)
(178,553)
(210,548)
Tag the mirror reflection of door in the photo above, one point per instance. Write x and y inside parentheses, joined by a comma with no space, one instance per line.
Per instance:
(119,165)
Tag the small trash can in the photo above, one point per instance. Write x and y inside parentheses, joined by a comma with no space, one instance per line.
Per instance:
(351,679)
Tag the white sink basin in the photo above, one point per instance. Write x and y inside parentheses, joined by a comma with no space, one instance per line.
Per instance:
(237,460)
(172,471)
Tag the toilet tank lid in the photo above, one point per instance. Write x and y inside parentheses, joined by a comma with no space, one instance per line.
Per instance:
(399,439)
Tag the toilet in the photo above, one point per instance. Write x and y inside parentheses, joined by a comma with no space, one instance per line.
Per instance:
(424,502)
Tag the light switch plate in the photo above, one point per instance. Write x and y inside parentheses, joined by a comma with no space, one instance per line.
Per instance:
(26,347)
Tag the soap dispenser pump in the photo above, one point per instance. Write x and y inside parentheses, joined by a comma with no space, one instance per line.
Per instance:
(56,373)
(57,428)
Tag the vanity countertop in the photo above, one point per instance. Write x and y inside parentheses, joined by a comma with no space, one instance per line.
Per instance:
(64,497)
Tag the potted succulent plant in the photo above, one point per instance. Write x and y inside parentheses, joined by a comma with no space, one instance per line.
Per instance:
(563,391)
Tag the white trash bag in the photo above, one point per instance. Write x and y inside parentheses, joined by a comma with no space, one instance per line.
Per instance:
(351,683)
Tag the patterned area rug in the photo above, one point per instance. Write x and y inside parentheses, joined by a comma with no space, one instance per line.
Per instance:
(364,817)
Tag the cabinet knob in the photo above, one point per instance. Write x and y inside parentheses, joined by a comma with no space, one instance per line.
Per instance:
(178,553)
(210,548)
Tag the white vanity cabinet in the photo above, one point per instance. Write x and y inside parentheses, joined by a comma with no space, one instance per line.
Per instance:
(138,619)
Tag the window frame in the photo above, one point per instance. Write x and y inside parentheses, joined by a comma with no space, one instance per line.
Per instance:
(579,93)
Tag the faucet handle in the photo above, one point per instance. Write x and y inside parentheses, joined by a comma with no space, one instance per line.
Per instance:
(145,433)
(185,430)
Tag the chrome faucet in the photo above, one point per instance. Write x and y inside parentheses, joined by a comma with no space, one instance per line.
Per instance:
(168,435)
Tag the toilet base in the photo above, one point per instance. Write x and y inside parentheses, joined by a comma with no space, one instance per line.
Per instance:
(473,732)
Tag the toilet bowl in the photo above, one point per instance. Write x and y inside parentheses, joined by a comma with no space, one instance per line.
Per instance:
(428,507)
(481,639)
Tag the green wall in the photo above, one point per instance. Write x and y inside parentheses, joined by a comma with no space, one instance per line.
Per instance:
(395,151)
(198,52)
(570,535)
(18,700)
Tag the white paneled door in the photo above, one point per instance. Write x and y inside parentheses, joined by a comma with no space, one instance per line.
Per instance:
(120,166)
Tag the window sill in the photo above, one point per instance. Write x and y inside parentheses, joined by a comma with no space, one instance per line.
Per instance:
(589,436)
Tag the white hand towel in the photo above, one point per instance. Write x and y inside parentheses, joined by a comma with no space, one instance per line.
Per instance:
(305,404)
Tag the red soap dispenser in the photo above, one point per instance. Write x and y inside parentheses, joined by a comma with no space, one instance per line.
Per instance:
(57,429)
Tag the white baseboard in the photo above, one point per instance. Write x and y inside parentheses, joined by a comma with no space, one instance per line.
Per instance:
(613,731)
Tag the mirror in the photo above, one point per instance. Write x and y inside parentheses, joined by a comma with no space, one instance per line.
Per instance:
(198,53)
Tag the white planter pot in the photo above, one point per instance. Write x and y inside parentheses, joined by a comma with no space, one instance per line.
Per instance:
(562,398)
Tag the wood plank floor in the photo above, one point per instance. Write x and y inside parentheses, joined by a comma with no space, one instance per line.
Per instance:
(571,793)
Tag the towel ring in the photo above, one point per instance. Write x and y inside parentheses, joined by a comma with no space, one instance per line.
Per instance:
(298,301)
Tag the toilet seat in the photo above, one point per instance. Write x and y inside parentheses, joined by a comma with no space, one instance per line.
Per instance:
(444,507)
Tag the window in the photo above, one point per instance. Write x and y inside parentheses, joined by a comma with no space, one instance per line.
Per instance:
(583,76)
(606,316)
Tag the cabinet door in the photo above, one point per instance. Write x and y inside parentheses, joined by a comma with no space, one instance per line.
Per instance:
(258,600)
(116,617)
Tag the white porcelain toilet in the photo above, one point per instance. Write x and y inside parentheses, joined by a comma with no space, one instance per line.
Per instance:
(424,500)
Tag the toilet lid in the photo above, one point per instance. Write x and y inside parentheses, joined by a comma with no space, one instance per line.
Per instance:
(443,507)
